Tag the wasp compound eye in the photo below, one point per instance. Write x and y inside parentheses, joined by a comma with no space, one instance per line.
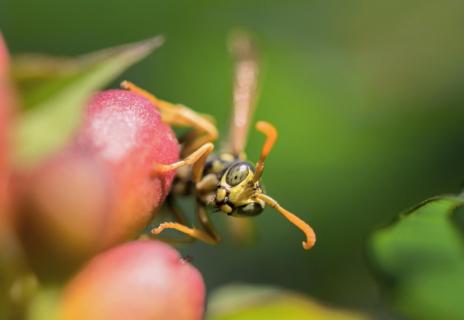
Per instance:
(237,173)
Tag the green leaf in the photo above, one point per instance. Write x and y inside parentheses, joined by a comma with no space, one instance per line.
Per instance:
(54,92)
(422,257)
(240,302)
(436,294)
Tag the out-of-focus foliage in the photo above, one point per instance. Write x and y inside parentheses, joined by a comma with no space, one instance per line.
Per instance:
(241,302)
(44,304)
(421,256)
(55,90)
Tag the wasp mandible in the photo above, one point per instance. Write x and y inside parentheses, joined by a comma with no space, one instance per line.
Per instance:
(225,180)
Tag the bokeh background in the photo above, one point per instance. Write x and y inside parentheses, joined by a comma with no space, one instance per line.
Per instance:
(367,95)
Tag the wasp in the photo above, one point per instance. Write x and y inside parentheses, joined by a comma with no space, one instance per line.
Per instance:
(226,180)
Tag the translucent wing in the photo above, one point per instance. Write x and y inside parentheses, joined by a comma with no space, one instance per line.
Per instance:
(245,91)
(244,100)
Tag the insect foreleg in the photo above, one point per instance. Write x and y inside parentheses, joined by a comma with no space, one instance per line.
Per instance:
(192,232)
(196,158)
(203,217)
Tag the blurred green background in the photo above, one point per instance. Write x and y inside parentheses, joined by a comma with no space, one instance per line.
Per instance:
(367,96)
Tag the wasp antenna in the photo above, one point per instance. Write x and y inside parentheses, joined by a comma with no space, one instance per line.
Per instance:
(271,135)
(303,226)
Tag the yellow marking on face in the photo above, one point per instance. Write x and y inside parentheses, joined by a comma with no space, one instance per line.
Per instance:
(221,194)
(244,191)
(226,208)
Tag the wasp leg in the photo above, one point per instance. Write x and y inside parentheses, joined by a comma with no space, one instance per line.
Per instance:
(192,232)
(206,223)
(198,156)
(209,235)
(179,217)
(199,165)
(180,115)
(203,184)
(176,212)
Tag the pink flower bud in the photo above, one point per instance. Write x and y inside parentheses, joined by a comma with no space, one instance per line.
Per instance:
(137,280)
(125,132)
(65,213)
(100,190)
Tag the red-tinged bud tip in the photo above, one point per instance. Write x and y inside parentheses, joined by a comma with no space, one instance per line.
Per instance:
(4,57)
(5,98)
(8,101)
(138,280)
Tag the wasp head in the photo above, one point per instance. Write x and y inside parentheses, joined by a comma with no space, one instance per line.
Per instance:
(237,191)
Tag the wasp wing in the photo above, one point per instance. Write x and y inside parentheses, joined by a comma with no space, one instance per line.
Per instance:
(245,91)
(244,101)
